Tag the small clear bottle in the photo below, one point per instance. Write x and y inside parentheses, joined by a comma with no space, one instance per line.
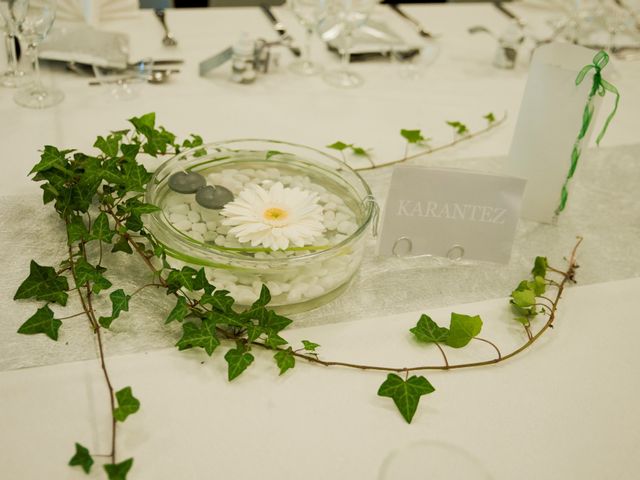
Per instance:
(243,69)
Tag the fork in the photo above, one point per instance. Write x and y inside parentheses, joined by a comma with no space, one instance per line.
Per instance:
(168,40)
(421,31)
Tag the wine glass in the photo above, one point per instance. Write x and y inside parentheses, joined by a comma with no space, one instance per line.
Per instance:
(307,12)
(33,22)
(13,77)
(338,20)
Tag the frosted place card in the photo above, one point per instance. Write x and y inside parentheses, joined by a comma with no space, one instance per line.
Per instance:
(450,213)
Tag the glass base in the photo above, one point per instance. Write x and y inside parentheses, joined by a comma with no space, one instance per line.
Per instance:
(343,79)
(12,79)
(38,97)
(305,67)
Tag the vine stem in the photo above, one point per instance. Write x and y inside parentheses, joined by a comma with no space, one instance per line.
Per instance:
(457,139)
(566,277)
(88,310)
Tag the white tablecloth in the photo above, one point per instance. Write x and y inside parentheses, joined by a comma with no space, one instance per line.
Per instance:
(563,410)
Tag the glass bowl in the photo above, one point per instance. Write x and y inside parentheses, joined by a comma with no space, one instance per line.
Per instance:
(298,277)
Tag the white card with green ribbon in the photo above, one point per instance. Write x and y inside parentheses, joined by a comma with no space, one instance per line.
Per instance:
(450,213)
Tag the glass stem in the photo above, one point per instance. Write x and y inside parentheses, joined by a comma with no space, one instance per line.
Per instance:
(346,52)
(12,58)
(35,66)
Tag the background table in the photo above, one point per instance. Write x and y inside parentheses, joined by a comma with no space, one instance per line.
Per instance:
(570,388)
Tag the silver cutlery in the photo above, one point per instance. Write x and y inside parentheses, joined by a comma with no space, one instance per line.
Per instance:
(419,28)
(280,30)
(155,77)
(168,40)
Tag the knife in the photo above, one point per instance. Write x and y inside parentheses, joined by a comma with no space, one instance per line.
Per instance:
(280,30)
(500,6)
(421,31)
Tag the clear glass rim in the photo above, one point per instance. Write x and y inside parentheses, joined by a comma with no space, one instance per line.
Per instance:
(368,202)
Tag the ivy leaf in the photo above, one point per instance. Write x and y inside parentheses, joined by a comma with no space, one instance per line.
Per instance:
(428,331)
(238,359)
(110,145)
(540,267)
(118,471)
(179,312)
(181,278)
(359,151)
(459,127)
(523,298)
(340,146)
(489,117)
(41,322)
(405,394)
(220,301)
(285,360)
(264,298)
(100,229)
(85,273)
(412,136)
(76,230)
(275,341)
(43,283)
(122,245)
(309,346)
(253,332)
(82,458)
(272,322)
(462,329)
(119,303)
(50,157)
(203,336)
(127,404)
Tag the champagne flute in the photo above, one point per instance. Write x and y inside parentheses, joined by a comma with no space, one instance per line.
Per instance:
(307,12)
(33,21)
(13,77)
(339,19)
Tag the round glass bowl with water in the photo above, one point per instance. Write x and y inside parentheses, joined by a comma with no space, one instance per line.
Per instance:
(298,277)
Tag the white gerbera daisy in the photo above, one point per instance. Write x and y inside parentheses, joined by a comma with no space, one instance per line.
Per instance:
(274,218)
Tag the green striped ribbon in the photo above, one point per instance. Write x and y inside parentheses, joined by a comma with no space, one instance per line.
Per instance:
(599,87)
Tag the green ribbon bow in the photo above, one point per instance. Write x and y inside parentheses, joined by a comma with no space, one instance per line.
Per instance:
(599,87)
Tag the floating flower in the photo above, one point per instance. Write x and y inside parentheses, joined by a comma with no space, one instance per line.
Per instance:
(274,218)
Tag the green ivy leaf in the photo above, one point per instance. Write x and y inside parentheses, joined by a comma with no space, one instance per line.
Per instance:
(178,279)
(405,394)
(110,145)
(338,146)
(285,360)
(119,303)
(523,298)
(85,273)
(540,267)
(127,404)
(412,136)
(238,359)
(41,322)
(428,331)
(82,459)
(43,283)
(203,336)
(76,230)
(220,301)
(359,151)
(253,332)
(489,117)
(459,127)
(100,230)
(122,245)
(462,329)
(51,157)
(309,346)
(179,312)
(274,341)
(118,471)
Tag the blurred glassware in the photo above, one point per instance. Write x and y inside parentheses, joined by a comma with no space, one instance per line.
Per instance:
(338,20)
(125,85)
(307,12)
(13,76)
(413,67)
(33,22)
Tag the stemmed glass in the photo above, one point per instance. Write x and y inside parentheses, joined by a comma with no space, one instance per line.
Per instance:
(33,22)
(339,19)
(13,76)
(307,12)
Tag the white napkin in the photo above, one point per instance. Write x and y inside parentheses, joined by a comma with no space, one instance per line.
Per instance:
(95,11)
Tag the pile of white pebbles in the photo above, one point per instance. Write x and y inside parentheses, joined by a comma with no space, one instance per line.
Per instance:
(288,282)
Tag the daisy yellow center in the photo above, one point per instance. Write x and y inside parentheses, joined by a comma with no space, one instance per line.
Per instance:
(275,213)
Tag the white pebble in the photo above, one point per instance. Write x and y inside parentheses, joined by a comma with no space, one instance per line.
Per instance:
(182,208)
(347,227)
(184,225)
(314,291)
(242,178)
(197,236)
(209,236)
(201,228)
(193,216)
(211,225)
(329,216)
(329,282)
(331,225)
(341,217)
(220,239)
(274,288)
(178,217)
(223,229)
(330,206)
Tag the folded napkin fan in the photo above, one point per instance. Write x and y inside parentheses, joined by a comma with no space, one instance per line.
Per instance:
(95,11)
